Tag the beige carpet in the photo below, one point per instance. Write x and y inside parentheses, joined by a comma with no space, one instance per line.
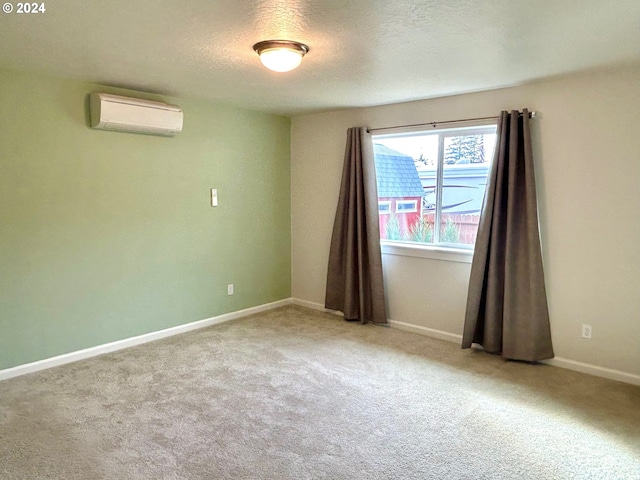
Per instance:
(298,394)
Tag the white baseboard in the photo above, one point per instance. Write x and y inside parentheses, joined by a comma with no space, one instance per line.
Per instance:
(582,367)
(429,332)
(130,342)
(168,332)
(594,370)
(313,306)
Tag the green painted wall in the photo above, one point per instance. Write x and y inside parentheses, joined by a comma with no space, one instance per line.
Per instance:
(107,235)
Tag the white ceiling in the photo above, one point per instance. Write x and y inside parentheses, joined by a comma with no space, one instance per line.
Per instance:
(363,52)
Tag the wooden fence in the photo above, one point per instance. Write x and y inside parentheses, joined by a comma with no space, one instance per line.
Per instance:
(467,225)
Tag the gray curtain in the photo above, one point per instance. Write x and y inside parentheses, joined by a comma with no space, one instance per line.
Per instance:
(507,305)
(354,278)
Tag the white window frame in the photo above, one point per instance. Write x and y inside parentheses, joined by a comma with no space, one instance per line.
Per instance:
(422,250)
(441,251)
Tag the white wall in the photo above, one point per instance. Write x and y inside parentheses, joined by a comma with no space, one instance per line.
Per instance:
(587,153)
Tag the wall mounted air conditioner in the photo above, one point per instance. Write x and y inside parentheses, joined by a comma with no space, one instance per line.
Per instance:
(125,114)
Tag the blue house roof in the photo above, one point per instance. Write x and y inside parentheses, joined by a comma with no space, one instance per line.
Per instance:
(396,173)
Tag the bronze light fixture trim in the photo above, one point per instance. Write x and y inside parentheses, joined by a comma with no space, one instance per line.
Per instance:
(280,55)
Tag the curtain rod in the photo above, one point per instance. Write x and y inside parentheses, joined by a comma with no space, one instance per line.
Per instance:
(434,124)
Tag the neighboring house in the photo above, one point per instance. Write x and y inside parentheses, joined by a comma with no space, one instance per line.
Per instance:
(463,187)
(399,188)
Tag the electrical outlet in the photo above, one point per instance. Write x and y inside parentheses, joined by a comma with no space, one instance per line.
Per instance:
(586,331)
(230,289)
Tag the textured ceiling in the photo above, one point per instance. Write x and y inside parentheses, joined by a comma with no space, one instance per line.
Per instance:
(363,52)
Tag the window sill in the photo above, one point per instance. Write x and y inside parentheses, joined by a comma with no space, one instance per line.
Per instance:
(404,249)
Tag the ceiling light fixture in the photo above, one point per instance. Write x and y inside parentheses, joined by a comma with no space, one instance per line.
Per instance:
(280,55)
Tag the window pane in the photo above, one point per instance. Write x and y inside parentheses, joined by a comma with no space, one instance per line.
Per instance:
(401,163)
(465,168)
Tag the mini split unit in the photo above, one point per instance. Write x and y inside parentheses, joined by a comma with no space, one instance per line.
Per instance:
(125,114)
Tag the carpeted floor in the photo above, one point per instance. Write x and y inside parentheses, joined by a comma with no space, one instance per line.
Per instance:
(299,394)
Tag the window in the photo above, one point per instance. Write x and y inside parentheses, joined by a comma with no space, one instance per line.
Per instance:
(384,207)
(406,206)
(435,177)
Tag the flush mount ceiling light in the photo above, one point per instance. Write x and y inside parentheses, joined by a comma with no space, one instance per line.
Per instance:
(280,55)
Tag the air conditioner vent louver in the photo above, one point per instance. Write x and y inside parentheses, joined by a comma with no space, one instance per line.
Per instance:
(125,114)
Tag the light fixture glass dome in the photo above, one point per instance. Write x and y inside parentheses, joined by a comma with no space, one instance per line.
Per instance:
(280,55)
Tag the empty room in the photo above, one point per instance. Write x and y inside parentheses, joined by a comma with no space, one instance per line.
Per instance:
(286,239)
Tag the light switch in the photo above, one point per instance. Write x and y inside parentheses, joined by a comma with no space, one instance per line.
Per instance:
(214,197)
